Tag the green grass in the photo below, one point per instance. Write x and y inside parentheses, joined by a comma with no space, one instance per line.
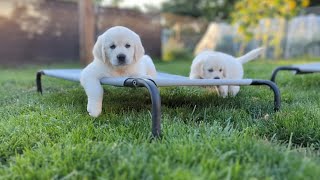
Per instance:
(204,136)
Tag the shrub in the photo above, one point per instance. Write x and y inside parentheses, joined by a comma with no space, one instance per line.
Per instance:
(174,50)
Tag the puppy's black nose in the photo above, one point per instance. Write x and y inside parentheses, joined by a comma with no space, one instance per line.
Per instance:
(121,58)
(216,77)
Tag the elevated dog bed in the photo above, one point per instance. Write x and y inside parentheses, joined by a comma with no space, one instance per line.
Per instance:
(297,69)
(163,79)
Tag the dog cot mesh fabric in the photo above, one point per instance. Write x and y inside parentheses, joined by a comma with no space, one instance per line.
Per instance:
(311,67)
(162,79)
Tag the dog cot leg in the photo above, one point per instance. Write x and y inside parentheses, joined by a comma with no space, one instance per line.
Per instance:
(38,81)
(275,89)
(281,68)
(155,99)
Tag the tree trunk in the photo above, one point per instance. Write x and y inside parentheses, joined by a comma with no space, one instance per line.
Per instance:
(86,30)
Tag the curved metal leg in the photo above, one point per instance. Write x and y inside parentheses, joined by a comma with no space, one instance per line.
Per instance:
(281,68)
(155,99)
(38,81)
(275,89)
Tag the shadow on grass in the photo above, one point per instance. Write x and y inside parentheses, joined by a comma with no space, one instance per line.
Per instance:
(252,106)
(256,102)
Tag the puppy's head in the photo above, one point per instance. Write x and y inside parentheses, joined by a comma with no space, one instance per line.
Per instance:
(118,46)
(213,67)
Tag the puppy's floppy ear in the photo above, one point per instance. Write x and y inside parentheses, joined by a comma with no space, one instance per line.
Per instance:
(225,71)
(138,48)
(98,50)
(196,70)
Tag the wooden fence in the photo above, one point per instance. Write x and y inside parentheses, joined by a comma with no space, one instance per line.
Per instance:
(48,32)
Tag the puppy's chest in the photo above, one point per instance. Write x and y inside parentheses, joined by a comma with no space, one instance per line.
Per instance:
(119,72)
(125,71)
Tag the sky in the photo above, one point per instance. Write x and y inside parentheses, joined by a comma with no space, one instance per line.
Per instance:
(139,3)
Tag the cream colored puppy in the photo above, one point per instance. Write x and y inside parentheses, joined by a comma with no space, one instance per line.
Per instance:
(117,52)
(217,65)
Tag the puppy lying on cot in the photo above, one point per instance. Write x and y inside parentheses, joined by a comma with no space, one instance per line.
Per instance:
(117,52)
(218,65)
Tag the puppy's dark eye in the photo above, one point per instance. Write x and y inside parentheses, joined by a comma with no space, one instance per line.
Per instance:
(210,70)
(127,45)
(113,46)
(220,70)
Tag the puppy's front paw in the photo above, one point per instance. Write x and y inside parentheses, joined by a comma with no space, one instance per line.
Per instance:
(223,91)
(223,94)
(94,111)
(233,90)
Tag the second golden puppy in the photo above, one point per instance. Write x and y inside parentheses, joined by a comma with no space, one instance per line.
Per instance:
(117,52)
(218,65)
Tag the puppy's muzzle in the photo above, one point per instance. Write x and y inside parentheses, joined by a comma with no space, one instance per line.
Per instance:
(121,59)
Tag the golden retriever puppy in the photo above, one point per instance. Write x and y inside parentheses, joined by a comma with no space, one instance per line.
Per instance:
(218,65)
(117,52)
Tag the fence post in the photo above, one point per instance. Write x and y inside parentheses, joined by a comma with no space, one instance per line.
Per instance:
(86,30)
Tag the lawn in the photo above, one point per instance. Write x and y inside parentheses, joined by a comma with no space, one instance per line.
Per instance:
(51,136)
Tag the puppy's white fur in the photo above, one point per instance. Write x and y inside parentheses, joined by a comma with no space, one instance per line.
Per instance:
(115,41)
(218,65)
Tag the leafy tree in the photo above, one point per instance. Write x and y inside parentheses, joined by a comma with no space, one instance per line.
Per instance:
(208,9)
(248,13)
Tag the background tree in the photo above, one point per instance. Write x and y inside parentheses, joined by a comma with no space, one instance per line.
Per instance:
(86,30)
(248,13)
(211,10)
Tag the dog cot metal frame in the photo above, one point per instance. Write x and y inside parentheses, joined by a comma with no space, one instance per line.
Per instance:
(163,79)
(297,69)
